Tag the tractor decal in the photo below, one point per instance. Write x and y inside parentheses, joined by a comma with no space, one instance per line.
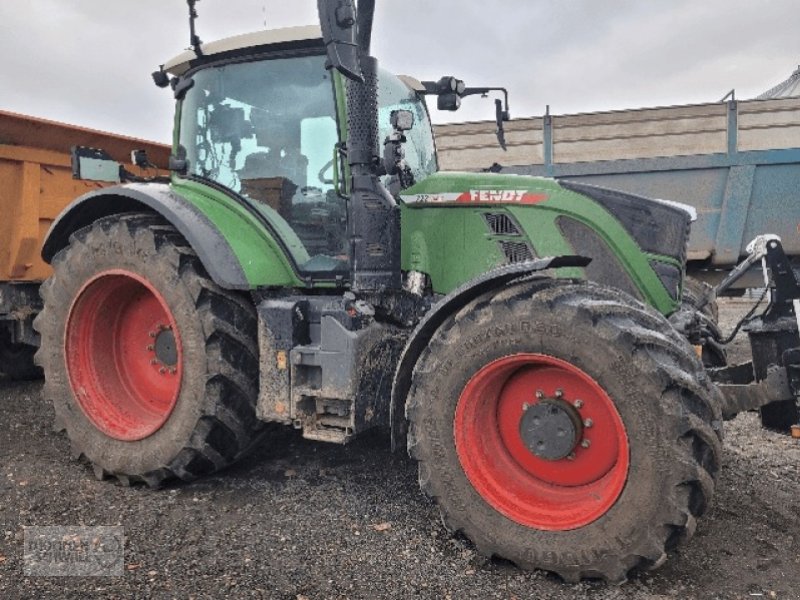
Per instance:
(478,196)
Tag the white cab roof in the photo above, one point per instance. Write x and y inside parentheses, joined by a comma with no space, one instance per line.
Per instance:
(180,64)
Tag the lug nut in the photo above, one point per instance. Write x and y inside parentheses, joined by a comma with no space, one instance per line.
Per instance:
(586,443)
(588,423)
(525,406)
(571,456)
(559,393)
(153,361)
(539,394)
(173,370)
(578,403)
(152,334)
(162,370)
(150,347)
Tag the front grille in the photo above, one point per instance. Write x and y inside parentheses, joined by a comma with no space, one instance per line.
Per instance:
(516,251)
(501,224)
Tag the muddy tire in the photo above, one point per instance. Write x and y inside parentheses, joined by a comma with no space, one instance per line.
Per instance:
(151,367)
(601,367)
(16,360)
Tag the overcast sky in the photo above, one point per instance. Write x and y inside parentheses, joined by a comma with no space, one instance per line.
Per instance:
(89,61)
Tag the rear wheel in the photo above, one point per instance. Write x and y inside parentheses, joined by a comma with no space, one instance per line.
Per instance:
(565,427)
(151,367)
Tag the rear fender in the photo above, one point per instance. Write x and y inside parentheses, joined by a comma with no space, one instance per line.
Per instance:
(208,239)
(448,305)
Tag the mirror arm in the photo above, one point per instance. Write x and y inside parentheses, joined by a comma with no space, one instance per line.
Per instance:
(338,20)
(430,88)
(436,88)
(483,91)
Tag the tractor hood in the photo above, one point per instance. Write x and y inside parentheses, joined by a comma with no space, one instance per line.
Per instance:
(494,188)
(474,221)
(658,226)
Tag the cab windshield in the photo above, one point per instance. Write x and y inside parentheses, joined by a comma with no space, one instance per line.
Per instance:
(268,130)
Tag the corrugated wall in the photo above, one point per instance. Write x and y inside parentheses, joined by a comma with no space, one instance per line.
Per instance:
(618,135)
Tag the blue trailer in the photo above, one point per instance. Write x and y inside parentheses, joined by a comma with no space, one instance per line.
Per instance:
(736,162)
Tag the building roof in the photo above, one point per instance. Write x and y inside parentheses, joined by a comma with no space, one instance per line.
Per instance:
(785,89)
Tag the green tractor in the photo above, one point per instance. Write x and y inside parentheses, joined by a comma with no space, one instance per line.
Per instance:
(511,331)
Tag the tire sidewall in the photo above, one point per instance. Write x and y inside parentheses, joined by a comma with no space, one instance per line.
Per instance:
(160,269)
(630,382)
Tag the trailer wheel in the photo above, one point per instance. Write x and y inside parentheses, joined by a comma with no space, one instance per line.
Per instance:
(151,367)
(566,427)
(16,360)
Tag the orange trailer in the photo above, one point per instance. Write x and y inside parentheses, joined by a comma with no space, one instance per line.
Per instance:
(36,183)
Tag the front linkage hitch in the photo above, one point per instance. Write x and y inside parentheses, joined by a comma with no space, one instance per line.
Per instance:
(769,382)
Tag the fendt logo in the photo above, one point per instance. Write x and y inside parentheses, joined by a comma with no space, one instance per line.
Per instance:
(479,197)
(519,196)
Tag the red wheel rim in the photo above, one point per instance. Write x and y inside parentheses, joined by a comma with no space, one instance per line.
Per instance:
(124,355)
(544,494)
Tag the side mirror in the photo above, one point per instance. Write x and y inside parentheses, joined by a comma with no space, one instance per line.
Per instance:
(500,116)
(94,164)
(449,91)
(338,21)
(140,159)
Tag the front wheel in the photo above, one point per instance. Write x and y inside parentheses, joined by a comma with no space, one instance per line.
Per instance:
(151,367)
(565,427)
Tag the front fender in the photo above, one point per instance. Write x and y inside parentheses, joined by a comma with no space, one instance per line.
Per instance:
(448,305)
(216,243)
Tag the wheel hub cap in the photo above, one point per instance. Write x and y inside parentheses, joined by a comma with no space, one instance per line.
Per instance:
(165,348)
(550,429)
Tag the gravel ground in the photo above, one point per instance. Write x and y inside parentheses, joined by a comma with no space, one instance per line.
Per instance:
(301,520)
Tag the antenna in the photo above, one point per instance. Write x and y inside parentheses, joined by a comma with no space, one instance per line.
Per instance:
(194,40)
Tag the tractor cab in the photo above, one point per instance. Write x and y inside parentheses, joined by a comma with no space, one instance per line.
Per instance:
(259,116)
